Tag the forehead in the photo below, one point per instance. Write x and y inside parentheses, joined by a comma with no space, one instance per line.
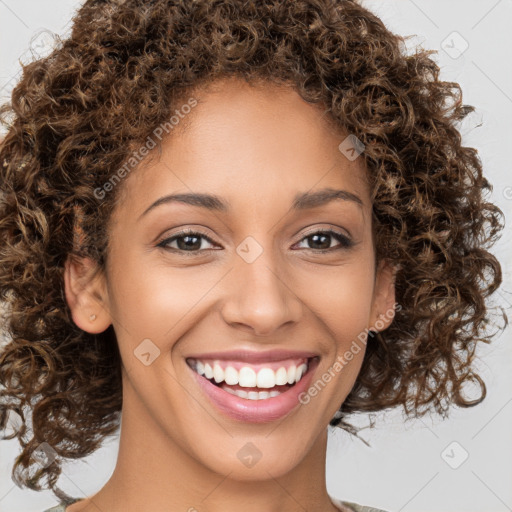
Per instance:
(257,139)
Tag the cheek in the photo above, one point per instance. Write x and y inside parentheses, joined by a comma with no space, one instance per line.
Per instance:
(342,299)
(155,301)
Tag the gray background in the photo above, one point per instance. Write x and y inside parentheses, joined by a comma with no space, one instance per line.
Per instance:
(419,466)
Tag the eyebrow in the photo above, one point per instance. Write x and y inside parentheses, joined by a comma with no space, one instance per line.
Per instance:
(302,201)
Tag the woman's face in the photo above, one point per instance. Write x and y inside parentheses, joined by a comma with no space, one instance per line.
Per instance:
(260,275)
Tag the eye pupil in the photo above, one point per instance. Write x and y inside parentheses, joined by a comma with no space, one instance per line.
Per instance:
(187,244)
(317,236)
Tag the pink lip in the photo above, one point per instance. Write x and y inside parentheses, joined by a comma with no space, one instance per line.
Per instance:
(254,356)
(256,411)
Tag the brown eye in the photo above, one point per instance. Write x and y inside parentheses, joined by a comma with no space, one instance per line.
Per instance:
(187,241)
(320,241)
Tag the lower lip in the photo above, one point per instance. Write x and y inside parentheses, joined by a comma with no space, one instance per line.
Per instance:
(257,411)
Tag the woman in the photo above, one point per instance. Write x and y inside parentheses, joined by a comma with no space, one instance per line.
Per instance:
(227,225)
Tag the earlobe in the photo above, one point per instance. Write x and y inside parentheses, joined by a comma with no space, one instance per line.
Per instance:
(86,294)
(383,309)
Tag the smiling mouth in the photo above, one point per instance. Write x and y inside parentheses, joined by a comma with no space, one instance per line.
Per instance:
(252,381)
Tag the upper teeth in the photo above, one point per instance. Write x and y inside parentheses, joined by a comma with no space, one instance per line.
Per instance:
(248,377)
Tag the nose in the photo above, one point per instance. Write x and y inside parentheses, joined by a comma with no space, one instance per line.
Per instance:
(259,298)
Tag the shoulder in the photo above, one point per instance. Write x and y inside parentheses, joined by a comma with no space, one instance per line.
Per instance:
(57,508)
(61,507)
(349,506)
(361,508)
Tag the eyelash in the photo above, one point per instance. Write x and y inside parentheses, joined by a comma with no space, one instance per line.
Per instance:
(345,242)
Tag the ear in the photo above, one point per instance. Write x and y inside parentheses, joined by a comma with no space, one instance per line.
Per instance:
(383,307)
(86,294)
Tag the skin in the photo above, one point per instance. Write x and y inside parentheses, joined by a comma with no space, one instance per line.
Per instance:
(255,147)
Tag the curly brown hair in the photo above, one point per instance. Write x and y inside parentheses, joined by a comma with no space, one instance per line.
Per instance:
(77,115)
